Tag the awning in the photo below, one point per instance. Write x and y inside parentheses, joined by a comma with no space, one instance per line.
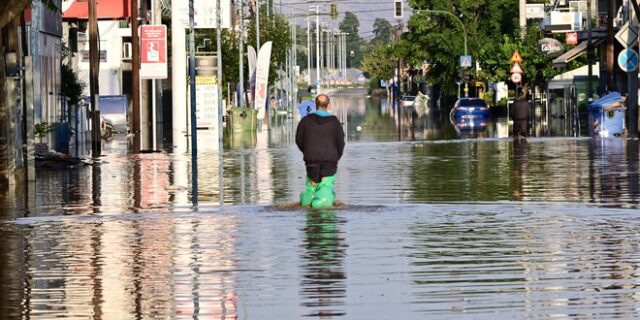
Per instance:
(107,9)
(574,52)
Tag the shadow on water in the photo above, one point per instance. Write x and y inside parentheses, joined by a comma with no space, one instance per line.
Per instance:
(324,279)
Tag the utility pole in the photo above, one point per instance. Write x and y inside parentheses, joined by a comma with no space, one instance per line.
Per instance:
(220,133)
(309,50)
(321,53)
(317,47)
(522,10)
(94,69)
(611,12)
(192,91)
(589,55)
(258,26)
(135,76)
(632,106)
(156,84)
(241,55)
(219,71)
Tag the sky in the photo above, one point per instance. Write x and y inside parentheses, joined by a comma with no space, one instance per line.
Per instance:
(366,11)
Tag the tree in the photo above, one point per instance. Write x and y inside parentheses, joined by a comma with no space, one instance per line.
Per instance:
(272,28)
(439,38)
(13,8)
(230,41)
(380,63)
(381,31)
(496,64)
(350,25)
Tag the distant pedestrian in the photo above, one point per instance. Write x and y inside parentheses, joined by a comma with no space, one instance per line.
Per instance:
(520,113)
(320,137)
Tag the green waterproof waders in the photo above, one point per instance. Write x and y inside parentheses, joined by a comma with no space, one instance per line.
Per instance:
(320,195)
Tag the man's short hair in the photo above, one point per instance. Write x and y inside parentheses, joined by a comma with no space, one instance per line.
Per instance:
(322,101)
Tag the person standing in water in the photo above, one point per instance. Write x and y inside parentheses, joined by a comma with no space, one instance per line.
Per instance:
(520,113)
(320,137)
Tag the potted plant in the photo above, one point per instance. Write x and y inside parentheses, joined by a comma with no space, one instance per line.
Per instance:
(41,130)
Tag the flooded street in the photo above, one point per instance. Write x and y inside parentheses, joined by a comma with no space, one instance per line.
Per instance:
(436,223)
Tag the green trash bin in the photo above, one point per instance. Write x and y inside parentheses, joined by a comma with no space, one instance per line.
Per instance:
(242,119)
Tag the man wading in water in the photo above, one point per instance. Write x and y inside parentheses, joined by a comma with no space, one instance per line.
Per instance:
(520,113)
(321,139)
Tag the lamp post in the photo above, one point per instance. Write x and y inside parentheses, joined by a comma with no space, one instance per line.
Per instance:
(241,55)
(309,59)
(258,25)
(317,47)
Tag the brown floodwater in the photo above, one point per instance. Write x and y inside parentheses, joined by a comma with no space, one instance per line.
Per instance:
(433,223)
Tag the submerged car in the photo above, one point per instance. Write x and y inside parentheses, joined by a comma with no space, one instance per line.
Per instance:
(470,113)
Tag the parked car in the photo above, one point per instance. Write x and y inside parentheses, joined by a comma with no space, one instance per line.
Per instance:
(106,128)
(407,101)
(470,113)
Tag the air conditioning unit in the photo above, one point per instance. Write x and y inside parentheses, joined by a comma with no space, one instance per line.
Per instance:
(127,51)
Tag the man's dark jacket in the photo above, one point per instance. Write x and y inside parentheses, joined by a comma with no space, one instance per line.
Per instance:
(520,113)
(321,140)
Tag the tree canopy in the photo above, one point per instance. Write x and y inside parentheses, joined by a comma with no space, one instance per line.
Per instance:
(350,25)
(10,9)
(436,34)
(381,31)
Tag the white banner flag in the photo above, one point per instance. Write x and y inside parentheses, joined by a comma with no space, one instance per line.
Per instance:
(262,78)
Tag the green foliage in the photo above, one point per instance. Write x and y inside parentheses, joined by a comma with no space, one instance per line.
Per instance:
(72,87)
(272,28)
(40,130)
(350,24)
(492,34)
(496,64)
(380,63)
(381,31)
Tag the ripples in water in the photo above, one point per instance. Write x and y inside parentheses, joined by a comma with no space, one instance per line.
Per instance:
(410,262)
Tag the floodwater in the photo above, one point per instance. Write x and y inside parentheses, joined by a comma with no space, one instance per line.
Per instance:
(436,223)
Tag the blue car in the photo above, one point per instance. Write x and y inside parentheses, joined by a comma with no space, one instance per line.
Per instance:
(470,113)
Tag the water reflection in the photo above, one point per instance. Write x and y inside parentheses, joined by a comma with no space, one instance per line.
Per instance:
(432,163)
(537,266)
(324,279)
(125,269)
(409,262)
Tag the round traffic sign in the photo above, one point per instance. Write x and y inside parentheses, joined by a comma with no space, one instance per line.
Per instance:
(628,60)
(516,77)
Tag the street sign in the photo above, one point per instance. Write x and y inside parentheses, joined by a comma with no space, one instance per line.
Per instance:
(628,60)
(516,58)
(627,36)
(205,13)
(571,38)
(153,51)
(516,77)
(516,68)
(465,61)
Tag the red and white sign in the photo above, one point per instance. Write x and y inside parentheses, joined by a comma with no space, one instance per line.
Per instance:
(516,57)
(571,38)
(516,68)
(153,52)
(516,77)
